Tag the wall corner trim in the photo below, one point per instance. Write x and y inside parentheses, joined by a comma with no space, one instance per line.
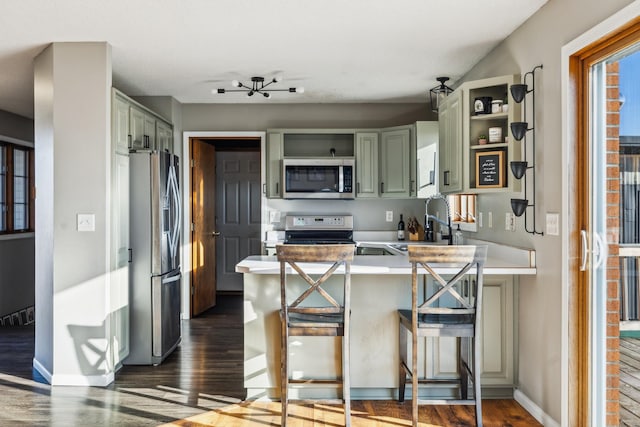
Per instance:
(534,409)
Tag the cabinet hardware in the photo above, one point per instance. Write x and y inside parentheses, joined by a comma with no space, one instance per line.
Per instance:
(277,188)
(130,255)
(264,188)
(446,177)
(381,187)
(358,187)
(129,144)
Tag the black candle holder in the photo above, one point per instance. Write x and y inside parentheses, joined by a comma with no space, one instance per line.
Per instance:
(519,206)
(518,92)
(519,168)
(519,130)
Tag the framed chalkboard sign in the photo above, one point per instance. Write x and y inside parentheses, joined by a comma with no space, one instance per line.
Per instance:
(490,169)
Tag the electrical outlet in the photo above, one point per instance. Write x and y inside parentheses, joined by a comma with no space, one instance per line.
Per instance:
(510,222)
(490,219)
(389,216)
(480,219)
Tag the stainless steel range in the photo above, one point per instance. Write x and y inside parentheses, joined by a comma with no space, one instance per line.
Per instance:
(318,229)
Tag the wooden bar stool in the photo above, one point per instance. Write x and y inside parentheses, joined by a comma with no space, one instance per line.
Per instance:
(326,317)
(432,316)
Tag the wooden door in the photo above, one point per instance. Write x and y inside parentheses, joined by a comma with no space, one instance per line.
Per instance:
(203,238)
(238,213)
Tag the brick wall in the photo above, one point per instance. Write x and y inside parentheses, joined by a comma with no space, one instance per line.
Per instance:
(613,230)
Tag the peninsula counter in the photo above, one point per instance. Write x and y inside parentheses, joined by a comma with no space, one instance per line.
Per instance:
(380,285)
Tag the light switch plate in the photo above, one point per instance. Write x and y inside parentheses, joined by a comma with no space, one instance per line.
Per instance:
(389,216)
(86,222)
(553,224)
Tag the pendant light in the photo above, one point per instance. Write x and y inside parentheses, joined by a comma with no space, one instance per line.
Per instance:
(439,93)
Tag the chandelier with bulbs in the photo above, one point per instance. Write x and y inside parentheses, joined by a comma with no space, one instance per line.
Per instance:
(258,86)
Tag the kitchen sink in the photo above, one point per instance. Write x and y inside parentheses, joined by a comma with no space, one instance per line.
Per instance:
(368,250)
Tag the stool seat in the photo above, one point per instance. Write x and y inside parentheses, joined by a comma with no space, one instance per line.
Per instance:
(463,323)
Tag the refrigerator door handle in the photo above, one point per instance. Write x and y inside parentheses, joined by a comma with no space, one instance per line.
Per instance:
(173,182)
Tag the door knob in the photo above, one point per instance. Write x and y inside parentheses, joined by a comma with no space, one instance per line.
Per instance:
(215,233)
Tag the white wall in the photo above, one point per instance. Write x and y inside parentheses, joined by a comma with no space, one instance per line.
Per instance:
(539,41)
(72,140)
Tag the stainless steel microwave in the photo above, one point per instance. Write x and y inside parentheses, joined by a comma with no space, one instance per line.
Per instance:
(330,178)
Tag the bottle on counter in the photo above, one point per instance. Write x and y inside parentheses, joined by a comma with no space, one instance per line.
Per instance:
(401,228)
(458,238)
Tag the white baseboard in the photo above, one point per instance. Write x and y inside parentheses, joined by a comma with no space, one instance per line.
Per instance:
(537,412)
(74,380)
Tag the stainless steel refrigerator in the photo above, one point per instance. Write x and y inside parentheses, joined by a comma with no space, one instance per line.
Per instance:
(155,217)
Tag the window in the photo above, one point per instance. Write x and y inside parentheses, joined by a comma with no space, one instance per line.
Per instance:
(16,183)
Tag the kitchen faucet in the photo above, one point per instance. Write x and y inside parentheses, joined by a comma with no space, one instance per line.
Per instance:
(427,216)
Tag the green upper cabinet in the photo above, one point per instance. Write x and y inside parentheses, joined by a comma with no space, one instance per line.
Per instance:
(395,160)
(367,147)
(164,136)
(427,158)
(143,130)
(273,186)
(120,125)
(450,146)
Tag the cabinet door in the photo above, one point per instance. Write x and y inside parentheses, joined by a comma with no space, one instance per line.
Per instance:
(394,161)
(120,125)
(150,132)
(427,158)
(498,335)
(450,147)
(274,165)
(136,127)
(164,136)
(498,331)
(367,164)
(119,290)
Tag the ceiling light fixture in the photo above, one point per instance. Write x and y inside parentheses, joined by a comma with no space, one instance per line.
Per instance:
(258,86)
(439,93)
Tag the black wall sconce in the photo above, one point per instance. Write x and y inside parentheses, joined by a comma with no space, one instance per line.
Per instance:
(519,131)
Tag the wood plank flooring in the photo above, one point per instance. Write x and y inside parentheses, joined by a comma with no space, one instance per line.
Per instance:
(629,382)
(201,385)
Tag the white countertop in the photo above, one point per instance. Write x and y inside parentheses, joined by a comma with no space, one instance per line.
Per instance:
(501,260)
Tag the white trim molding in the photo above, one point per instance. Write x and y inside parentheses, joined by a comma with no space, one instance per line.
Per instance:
(73,380)
(537,412)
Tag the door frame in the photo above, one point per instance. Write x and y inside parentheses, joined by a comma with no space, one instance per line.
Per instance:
(576,313)
(186,201)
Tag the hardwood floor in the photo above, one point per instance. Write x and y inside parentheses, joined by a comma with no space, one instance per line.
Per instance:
(200,384)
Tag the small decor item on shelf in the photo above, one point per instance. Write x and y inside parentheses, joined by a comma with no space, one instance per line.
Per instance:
(482,139)
(496,106)
(482,105)
(495,134)
(505,108)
